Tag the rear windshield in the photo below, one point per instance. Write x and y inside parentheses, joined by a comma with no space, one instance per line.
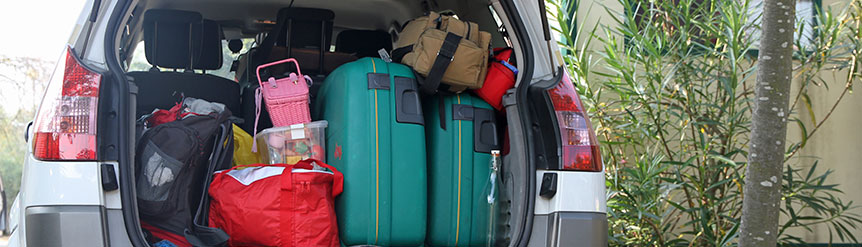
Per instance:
(139,60)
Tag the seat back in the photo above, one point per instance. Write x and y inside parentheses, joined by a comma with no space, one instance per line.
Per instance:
(172,38)
(307,28)
(176,39)
(211,47)
(305,31)
(363,43)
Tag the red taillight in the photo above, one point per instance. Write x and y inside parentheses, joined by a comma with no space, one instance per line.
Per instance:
(580,149)
(65,127)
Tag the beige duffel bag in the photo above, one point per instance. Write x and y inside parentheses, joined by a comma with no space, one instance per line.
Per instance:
(444,49)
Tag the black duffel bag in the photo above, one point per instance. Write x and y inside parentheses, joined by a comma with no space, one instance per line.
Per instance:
(173,163)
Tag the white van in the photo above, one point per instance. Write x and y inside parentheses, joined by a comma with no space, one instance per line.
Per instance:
(78,179)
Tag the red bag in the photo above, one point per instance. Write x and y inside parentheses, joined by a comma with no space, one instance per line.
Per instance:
(162,234)
(277,205)
(500,77)
(160,116)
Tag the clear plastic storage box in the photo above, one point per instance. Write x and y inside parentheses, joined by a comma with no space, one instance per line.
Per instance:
(290,144)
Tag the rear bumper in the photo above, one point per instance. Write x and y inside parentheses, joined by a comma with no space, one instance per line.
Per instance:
(60,204)
(578,229)
(68,226)
(65,226)
(570,229)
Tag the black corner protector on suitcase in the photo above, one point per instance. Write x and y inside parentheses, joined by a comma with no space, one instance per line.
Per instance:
(378,81)
(408,108)
(462,112)
(484,131)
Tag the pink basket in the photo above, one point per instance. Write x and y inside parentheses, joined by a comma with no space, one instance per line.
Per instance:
(286,98)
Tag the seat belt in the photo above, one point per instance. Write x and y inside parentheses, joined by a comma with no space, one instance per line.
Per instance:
(265,47)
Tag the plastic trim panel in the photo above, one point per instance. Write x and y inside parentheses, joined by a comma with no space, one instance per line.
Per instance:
(65,226)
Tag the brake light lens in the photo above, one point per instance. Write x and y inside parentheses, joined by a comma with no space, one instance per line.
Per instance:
(580,151)
(65,126)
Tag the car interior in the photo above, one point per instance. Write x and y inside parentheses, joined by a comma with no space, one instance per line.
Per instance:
(209,49)
(321,35)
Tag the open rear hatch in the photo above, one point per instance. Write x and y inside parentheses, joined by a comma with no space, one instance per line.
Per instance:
(182,66)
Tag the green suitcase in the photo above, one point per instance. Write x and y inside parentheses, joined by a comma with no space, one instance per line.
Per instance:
(376,138)
(459,155)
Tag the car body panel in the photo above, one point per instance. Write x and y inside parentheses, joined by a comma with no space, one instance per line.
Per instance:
(66,225)
(542,69)
(576,192)
(570,229)
(71,183)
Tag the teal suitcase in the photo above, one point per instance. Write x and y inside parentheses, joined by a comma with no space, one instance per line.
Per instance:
(461,131)
(376,138)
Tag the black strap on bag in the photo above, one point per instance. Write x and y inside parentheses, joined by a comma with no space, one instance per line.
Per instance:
(398,54)
(444,56)
(199,234)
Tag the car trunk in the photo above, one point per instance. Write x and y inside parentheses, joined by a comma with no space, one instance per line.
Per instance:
(516,177)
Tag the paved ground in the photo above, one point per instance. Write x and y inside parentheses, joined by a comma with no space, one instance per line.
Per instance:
(4,240)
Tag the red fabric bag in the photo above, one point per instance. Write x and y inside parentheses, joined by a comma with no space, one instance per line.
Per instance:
(162,234)
(277,205)
(160,116)
(500,77)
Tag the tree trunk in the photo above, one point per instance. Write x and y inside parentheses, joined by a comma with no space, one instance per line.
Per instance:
(762,195)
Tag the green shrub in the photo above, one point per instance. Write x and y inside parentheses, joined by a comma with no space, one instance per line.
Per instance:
(670,94)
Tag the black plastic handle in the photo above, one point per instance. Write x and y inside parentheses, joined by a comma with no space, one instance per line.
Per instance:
(485,131)
(408,108)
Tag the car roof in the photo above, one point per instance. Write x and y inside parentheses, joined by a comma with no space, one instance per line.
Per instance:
(248,16)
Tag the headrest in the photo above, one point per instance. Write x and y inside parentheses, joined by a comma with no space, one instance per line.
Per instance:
(235,45)
(211,50)
(181,40)
(364,43)
(305,26)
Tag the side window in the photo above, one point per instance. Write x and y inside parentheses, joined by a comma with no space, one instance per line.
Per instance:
(500,33)
(139,59)
(126,36)
(228,57)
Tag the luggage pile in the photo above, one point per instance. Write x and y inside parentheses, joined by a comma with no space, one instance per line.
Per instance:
(400,151)
(414,144)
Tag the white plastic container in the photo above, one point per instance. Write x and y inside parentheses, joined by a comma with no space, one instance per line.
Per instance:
(290,144)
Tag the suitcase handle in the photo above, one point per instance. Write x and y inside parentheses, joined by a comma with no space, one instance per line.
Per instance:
(260,80)
(337,182)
